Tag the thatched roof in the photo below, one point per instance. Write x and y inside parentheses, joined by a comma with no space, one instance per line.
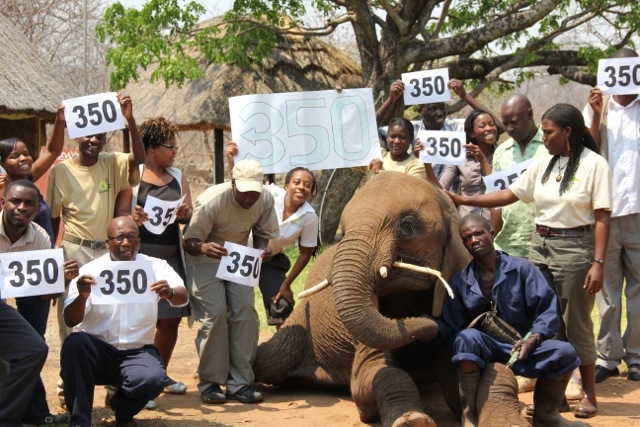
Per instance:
(297,64)
(28,85)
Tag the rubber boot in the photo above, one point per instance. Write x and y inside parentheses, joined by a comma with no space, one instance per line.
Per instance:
(468,392)
(497,398)
(547,397)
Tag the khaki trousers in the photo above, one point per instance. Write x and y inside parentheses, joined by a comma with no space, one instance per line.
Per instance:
(228,338)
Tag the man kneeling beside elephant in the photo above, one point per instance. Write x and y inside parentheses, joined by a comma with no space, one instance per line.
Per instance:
(367,329)
(515,288)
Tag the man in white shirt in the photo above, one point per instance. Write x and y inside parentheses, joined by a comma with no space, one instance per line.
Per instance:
(112,344)
(614,123)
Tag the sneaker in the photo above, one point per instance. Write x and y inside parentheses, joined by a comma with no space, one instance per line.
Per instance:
(177,387)
(213,395)
(573,391)
(603,373)
(634,372)
(151,405)
(49,419)
(246,394)
(525,384)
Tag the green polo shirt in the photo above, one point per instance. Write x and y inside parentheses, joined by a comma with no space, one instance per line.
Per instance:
(518,218)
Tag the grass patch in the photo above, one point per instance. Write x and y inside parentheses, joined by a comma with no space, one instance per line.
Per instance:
(298,285)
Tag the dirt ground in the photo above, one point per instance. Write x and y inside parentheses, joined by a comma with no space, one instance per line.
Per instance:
(619,399)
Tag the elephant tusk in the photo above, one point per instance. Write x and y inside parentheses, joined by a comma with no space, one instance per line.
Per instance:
(314,289)
(383,272)
(427,270)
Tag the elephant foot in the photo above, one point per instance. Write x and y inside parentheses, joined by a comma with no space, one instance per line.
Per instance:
(414,419)
(497,399)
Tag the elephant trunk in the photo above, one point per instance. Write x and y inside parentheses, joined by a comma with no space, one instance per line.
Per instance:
(354,278)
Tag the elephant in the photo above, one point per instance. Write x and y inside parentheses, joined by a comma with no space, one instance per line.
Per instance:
(372,329)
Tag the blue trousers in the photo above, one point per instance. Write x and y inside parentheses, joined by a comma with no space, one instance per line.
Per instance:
(86,361)
(551,359)
(35,310)
(26,353)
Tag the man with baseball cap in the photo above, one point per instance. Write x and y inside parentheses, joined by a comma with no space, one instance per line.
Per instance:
(228,338)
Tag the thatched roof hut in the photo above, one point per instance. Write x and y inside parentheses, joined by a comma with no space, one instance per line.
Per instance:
(30,91)
(297,64)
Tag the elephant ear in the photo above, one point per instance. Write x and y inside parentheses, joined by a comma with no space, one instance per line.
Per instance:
(455,256)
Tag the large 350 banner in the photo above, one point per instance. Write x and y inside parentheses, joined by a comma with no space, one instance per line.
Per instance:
(317,130)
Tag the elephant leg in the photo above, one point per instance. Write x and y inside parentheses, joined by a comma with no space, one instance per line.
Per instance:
(379,388)
(277,358)
(497,398)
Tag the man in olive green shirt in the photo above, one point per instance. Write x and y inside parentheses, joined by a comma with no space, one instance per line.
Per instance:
(517,225)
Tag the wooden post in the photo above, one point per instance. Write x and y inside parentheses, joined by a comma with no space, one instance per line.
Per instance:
(126,141)
(218,156)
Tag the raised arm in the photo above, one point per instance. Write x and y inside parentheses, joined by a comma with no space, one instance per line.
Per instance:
(53,148)
(458,88)
(137,155)
(595,102)
(395,92)
(231,152)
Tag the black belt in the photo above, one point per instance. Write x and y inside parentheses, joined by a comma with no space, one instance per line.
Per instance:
(92,244)
(541,230)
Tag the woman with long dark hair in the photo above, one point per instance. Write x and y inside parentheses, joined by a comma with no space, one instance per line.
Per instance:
(571,189)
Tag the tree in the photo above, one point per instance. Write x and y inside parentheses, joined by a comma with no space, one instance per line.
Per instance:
(485,41)
(56,29)
(475,39)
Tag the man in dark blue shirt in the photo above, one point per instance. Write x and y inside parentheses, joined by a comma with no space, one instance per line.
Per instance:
(523,299)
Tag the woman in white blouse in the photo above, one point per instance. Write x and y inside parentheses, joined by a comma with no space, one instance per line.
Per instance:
(298,221)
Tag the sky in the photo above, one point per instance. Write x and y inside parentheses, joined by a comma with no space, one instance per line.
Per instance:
(214,7)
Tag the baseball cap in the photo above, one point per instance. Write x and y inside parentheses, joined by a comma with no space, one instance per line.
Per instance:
(248,176)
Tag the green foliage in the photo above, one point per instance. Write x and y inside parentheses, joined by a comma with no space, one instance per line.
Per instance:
(163,31)
(158,32)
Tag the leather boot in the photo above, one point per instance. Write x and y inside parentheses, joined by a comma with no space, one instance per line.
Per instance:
(497,398)
(468,391)
(547,397)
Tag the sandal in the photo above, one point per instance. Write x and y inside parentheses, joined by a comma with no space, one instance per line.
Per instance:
(178,387)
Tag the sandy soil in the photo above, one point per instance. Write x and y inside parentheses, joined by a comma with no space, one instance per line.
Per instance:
(619,400)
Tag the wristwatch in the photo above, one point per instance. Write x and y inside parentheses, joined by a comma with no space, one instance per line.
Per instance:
(599,261)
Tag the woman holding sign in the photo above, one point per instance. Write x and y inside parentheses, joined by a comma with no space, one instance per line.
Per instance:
(298,221)
(571,189)
(482,135)
(159,179)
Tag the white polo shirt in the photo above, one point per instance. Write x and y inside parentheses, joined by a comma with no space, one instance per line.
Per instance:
(303,223)
(124,326)
(623,141)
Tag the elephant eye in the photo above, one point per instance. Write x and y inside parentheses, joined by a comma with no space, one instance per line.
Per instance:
(408,225)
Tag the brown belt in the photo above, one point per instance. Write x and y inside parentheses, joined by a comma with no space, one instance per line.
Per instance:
(93,244)
(543,231)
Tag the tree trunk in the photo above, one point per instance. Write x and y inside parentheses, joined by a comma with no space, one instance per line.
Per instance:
(335,188)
